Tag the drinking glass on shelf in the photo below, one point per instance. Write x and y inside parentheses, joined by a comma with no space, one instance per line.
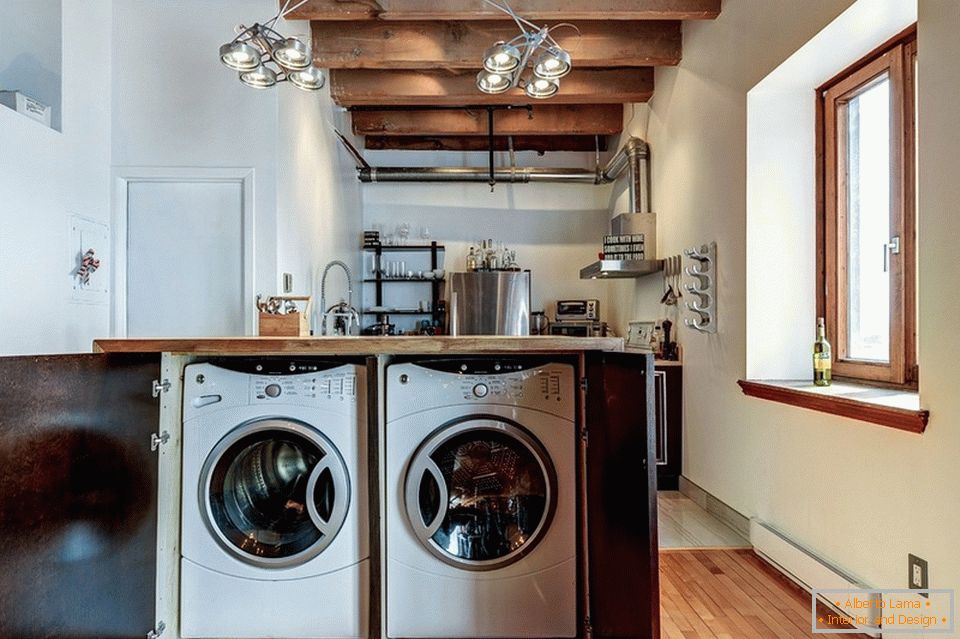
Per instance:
(425,234)
(403,232)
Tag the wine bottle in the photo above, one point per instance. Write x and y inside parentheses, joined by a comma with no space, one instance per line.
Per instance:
(822,356)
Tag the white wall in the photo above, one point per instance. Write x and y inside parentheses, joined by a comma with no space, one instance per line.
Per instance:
(31,37)
(185,108)
(861,495)
(318,195)
(556,229)
(47,176)
(176,105)
(781,185)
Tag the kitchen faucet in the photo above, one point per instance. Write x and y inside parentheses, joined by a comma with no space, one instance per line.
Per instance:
(344,315)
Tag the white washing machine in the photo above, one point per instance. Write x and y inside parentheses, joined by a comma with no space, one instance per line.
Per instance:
(480,499)
(274,514)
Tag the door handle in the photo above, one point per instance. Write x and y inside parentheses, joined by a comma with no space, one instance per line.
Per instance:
(890,248)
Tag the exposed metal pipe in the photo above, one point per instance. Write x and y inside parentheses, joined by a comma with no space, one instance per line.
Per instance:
(519,175)
(631,157)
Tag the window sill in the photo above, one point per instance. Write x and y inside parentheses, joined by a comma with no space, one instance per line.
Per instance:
(887,407)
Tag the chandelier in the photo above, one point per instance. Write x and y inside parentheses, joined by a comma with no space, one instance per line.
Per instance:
(533,60)
(263,57)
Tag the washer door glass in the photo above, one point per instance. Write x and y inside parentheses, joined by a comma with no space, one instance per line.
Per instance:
(275,492)
(480,493)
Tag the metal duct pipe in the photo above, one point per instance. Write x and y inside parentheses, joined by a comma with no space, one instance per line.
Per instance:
(632,157)
(474,174)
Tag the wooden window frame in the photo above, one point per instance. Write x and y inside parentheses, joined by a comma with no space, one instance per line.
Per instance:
(896,58)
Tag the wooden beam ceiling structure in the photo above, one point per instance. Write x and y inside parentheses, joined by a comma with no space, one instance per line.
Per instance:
(403,67)
(542,10)
(541,119)
(408,87)
(538,143)
(460,44)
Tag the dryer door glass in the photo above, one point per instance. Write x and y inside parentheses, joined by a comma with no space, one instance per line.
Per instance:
(276,492)
(480,494)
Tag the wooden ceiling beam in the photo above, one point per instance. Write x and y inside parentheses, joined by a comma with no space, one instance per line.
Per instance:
(367,87)
(545,10)
(547,119)
(538,143)
(460,44)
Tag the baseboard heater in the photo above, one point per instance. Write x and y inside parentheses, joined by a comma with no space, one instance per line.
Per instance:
(800,564)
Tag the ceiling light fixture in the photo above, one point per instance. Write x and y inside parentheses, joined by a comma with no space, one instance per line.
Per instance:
(505,63)
(264,57)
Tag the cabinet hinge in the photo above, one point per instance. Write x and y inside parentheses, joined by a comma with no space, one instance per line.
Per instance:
(643,464)
(160,387)
(156,441)
(583,384)
(157,631)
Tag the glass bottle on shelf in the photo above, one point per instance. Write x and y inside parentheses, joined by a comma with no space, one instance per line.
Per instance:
(822,356)
(471,260)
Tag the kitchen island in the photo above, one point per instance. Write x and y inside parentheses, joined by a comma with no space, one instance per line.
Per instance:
(116,420)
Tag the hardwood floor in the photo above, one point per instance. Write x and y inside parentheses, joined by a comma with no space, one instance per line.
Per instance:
(730,594)
(684,524)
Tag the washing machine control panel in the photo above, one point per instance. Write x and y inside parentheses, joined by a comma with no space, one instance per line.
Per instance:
(549,387)
(538,382)
(209,388)
(295,389)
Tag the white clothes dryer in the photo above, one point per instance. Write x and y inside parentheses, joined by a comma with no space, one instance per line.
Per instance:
(274,504)
(480,499)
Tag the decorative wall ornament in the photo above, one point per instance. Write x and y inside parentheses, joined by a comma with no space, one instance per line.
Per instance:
(88,266)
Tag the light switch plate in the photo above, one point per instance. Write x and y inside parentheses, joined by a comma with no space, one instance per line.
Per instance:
(287,283)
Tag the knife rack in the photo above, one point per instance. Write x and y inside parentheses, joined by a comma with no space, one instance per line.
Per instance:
(703,273)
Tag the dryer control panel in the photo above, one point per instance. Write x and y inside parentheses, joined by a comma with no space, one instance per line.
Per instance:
(546,386)
(290,389)
(209,387)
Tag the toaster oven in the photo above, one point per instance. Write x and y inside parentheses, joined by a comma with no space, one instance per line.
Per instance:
(584,310)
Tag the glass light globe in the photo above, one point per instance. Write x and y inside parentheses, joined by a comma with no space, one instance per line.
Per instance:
(552,64)
(541,88)
(493,82)
(261,77)
(240,56)
(309,79)
(501,58)
(292,54)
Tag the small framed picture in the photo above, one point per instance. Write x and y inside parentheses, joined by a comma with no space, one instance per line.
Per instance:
(640,336)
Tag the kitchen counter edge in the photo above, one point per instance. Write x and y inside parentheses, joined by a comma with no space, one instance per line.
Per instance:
(413,345)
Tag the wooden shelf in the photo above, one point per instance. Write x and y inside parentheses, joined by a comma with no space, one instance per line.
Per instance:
(397,280)
(407,247)
(397,313)
(875,410)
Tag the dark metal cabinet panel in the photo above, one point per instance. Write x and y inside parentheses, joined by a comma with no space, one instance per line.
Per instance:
(78,496)
(621,497)
(668,400)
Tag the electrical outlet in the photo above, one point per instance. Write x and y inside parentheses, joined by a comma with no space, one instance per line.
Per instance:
(287,283)
(917,575)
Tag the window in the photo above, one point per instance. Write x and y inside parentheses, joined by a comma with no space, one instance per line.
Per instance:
(866,223)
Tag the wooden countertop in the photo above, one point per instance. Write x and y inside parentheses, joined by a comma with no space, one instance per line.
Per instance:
(413,345)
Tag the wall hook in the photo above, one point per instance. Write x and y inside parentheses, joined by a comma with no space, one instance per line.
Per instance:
(704,327)
(705,287)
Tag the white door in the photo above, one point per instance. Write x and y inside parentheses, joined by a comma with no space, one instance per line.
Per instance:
(185,259)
